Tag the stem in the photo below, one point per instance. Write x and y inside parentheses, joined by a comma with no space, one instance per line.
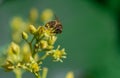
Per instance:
(27,41)
(45,71)
(37,75)
(18,76)
(32,39)
(30,44)
(42,58)
(18,73)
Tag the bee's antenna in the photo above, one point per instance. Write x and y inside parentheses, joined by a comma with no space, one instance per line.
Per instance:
(56,17)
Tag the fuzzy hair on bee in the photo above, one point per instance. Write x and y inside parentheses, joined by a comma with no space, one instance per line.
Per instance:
(55,25)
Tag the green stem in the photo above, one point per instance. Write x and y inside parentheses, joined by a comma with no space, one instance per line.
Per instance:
(32,49)
(18,73)
(18,76)
(32,39)
(37,75)
(27,41)
(31,44)
(42,58)
(44,73)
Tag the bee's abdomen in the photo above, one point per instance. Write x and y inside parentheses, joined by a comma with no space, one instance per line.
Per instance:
(58,29)
(51,24)
(57,26)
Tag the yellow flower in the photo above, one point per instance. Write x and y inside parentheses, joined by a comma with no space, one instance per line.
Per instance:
(59,54)
(35,67)
(40,30)
(48,33)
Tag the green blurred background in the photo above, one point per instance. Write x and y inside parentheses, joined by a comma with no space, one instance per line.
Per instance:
(91,35)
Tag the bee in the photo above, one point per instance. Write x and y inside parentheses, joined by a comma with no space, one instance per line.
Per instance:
(55,25)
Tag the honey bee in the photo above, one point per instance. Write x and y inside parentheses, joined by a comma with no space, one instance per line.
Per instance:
(55,25)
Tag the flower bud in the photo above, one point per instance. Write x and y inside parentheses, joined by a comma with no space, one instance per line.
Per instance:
(43,44)
(40,30)
(14,48)
(24,35)
(32,29)
(50,47)
(52,40)
(8,65)
(36,46)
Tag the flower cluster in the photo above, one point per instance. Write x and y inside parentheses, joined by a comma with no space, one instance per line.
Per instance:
(27,56)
